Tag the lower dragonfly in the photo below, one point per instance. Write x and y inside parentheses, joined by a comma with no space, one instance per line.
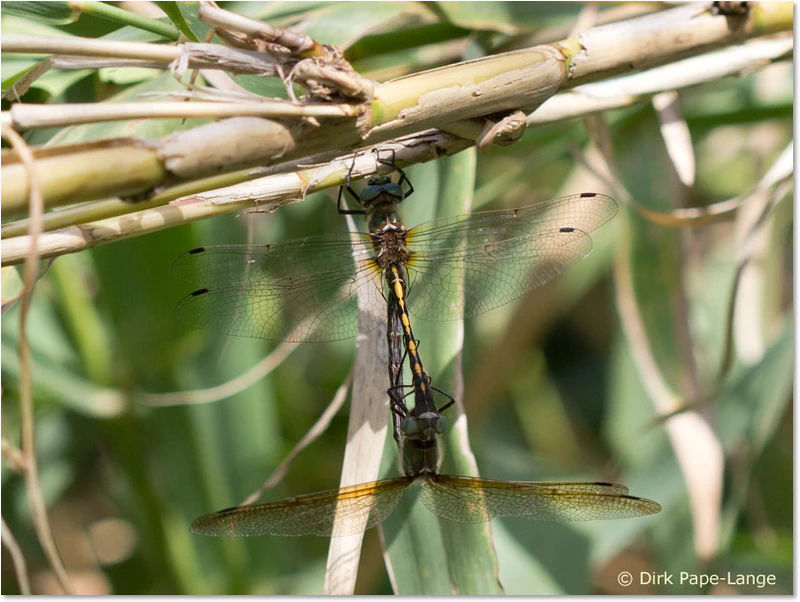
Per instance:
(352,510)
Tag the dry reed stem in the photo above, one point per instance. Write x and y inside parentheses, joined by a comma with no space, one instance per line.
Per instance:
(20,567)
(27,425)
(266,194)
(696,445)
(522,79)
(366,436)
(28,117)
(697,448)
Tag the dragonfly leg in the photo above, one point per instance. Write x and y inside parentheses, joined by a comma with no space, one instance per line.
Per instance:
(395,388)
(449,403)
(403,178)
(351,190)
(397,401)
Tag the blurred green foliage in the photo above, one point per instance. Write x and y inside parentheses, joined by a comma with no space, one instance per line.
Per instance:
(552,391)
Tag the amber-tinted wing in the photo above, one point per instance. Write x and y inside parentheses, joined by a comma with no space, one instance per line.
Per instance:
(474,500)
(582,486)
(493,257)
(333,513)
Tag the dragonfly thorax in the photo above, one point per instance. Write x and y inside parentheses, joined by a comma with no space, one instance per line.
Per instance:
(420,457)
(383,217)
(389,240)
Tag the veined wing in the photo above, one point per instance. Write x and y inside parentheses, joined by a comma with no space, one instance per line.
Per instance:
(235,264)
(474,500)
(491,258)
(300,290)
(583,486)
(333,513)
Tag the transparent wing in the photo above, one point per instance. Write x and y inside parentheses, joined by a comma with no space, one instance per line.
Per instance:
(305,289)
(474,500)
(300,290)
(334,513)
(491,258)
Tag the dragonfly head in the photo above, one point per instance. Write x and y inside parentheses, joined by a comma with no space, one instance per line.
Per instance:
(380,190)
(377,185)
(425,427)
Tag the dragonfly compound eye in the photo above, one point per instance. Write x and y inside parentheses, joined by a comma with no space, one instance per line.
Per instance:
(370,192)
(410,426)
(394,189)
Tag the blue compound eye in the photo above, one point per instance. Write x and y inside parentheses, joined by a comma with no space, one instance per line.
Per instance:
(370,192)
(409,426)
(441,425)
(394,189)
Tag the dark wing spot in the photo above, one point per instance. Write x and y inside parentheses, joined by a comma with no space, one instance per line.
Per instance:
(197,250)
(588,195)
(566,229)
(200,291)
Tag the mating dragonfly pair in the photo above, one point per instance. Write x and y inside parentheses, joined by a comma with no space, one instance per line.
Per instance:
(310,289)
